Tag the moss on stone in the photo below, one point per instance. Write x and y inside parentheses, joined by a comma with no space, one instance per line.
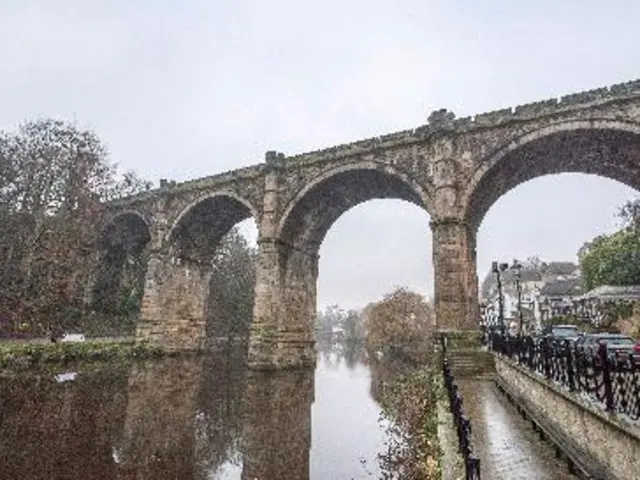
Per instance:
(26,355)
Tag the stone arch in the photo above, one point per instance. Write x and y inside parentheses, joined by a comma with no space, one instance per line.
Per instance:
(118,282)
(607,148)
(193,242)
(308,216)
(205,221)
(227,194)
(306,219)
(127,213)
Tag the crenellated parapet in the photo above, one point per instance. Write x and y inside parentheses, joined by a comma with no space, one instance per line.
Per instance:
(443,121)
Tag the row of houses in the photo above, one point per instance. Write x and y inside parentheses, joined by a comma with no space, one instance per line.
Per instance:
(548,290)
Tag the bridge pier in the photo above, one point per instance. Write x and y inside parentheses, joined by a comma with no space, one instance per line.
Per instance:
(456,282)
(281,334)
(172,313)
(456,288)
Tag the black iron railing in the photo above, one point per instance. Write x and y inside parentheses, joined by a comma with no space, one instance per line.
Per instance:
(607,377)
(461,422)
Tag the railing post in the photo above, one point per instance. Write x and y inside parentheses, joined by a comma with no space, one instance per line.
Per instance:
(546,352)
(606,376)
(443,344)
(568,350)
(473,468)
(531,350)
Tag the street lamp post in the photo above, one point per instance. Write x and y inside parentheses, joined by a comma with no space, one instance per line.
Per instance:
(517,269)
(547,314)
(483,320)
(498,268)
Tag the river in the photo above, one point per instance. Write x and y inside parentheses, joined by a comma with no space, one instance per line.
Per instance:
(204,417)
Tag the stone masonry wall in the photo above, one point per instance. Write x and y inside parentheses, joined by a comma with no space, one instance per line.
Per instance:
(173,306)
(455,280)
(603,436)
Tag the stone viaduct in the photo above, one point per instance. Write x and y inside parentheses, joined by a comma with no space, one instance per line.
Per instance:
(455,169)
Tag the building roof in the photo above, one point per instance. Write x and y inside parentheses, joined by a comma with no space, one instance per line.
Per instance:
(559,268)
(530,276)
(572,286)
(609,292)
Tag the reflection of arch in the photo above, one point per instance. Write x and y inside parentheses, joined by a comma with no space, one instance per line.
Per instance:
(316,206)
(602,147)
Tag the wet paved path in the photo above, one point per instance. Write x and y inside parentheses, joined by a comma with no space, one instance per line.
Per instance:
(508,447)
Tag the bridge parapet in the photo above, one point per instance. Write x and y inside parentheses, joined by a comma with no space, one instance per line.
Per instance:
(210,181)
(439,122)
(442,121)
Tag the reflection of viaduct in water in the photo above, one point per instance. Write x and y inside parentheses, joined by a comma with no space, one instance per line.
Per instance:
(186,417)
(159,428)
(183,418)
(62,431)
(277,433)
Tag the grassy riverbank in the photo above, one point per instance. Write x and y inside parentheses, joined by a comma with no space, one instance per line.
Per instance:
(16,355)
(409,409)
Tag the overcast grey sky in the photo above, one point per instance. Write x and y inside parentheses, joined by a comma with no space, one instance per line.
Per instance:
(187,89)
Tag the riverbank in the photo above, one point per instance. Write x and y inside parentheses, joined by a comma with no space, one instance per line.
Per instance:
(20,355)
(409,402)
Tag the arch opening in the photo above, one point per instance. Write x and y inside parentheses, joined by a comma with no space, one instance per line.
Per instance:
(339,200)
(539,201)
(119,283)
(311,215)
(373,260)
(612,153)
(219,234)
(198,231)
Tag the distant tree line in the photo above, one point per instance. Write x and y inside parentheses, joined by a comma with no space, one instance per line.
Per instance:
(336,325)
(399,326)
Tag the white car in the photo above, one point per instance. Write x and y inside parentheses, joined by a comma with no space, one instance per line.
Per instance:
(72,337)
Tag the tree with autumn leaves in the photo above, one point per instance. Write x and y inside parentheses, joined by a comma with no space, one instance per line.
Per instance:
(400,325)
(54,181)
(54,178)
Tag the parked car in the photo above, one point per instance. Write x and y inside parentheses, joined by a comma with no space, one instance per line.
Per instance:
(560,333)
(617,344)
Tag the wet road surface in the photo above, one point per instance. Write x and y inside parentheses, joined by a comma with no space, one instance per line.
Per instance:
(508,447)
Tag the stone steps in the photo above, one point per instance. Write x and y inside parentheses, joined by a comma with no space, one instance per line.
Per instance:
(471,363)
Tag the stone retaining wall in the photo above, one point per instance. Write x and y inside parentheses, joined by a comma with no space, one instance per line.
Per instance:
(608,439)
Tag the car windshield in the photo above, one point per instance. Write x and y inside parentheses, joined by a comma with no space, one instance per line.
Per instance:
(565,332)
(617,340)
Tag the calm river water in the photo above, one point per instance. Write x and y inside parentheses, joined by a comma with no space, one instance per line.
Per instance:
(192,418)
